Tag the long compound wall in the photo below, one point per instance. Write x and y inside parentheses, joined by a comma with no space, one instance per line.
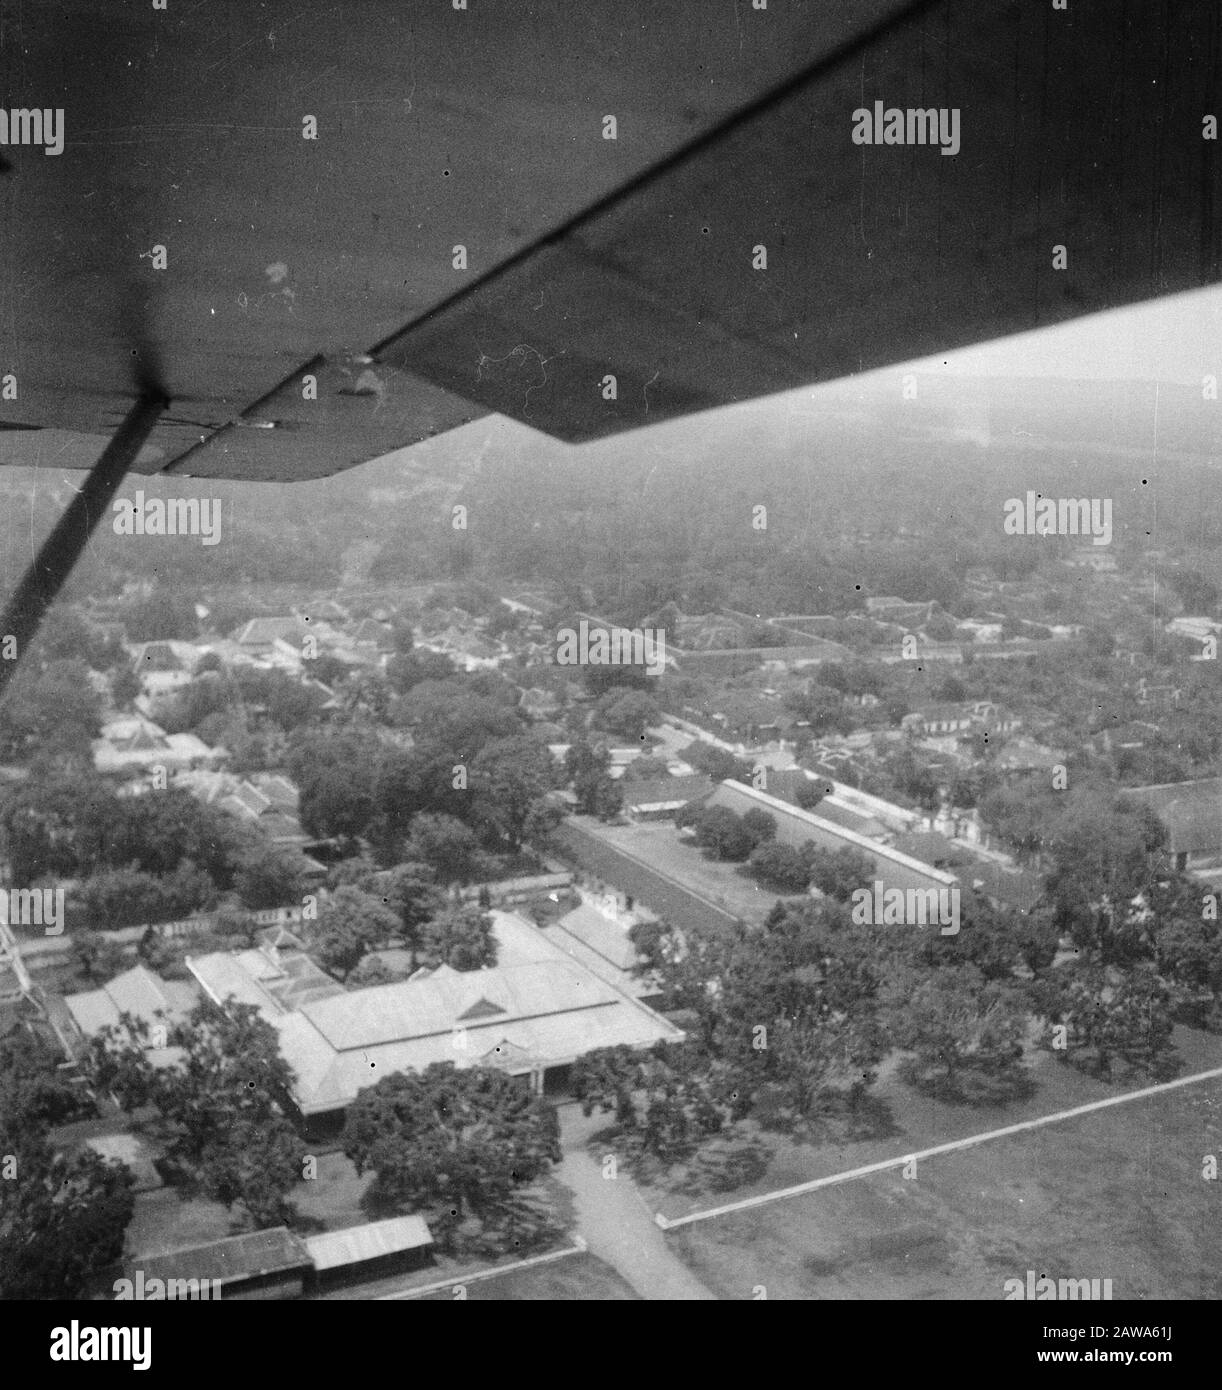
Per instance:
(795,827)
(661,894)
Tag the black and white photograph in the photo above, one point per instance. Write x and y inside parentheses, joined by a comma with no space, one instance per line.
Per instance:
(609,668)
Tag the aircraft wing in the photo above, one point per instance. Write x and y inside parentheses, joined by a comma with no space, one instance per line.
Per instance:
(304,304)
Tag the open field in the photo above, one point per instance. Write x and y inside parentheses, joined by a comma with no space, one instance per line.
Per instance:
(580,1278)
(1115,1194)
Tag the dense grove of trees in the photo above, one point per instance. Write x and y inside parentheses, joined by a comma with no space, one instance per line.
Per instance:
(457,1145)
(62,1217)
(220,1117)
(626,713)
(789,1021)
(51,714)
(588,770)
(474,783)
(138,858)
(474,787)
(751,837)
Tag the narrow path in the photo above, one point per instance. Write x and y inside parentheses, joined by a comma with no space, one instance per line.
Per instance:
(617,1225)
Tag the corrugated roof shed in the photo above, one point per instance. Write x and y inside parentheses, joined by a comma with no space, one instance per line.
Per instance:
(249,1256)
(333,1249)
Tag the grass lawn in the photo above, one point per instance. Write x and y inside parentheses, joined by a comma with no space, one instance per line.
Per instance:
(163,1221)
(1117,1194)
(576,1279)
(331,1201)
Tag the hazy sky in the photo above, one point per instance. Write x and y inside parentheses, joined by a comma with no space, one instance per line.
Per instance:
(1177,339)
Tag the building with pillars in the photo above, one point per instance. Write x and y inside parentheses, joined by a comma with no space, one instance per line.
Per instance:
(532,1015)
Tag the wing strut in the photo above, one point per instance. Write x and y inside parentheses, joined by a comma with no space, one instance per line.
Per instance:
(63,547)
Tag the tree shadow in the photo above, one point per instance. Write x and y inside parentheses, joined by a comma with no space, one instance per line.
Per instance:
(837,1118)
(970,1086)
(721,1164)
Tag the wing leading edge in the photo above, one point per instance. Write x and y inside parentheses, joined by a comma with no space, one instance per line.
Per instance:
(765,251)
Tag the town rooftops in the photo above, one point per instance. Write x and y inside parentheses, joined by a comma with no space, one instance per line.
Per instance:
(278,790)
(840,813)
(246,799)
(189,746)
(133,733)
(133,741)
(855,815)
(951,714)
(376,634)
(324,610)
(265,632)
(932,847)
(288,975)
(1020,890)
(1025,754)
(167,656)
(664,791)
(137,992)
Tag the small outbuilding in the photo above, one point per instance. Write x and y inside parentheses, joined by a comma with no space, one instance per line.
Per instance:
(270,1264)
(372,1251)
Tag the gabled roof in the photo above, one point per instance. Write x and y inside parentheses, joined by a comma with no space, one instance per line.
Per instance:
(1022,753)
(138,741)
(482,1008)
(159,656)
(263,632)
(541,1009)
(133,731)
(324,610)
(509,1055)
(276,789)
(137,992)
(280,939)
(932,847)
(593,929)
(1191,812)
(321,692)
(369,630)
(941,713)
(250,799)
(416,1008)
(257,1253)
(283,829)
(660,791)
(1020,890)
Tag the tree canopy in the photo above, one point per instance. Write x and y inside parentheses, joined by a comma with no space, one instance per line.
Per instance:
(451,1143)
